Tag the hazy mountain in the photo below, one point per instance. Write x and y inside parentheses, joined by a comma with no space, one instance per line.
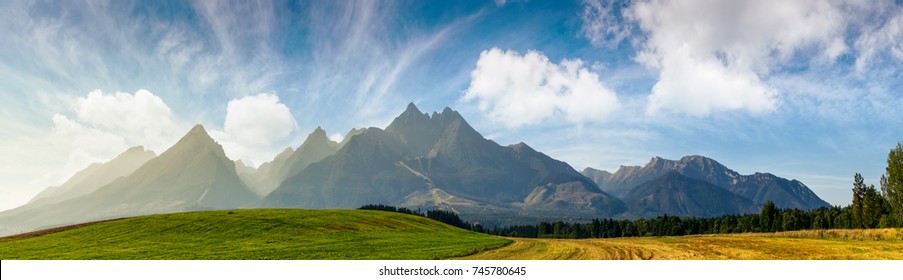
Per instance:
(600,177)
(269,175)
(351,133)
(439,160)
(194,174)
(95,176)
(678,195)
(758,187)
(315,148)
(263,179)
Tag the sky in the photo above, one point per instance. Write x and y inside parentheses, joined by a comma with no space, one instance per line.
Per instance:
(806,90)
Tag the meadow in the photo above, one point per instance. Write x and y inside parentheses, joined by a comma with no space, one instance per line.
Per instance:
(256,234)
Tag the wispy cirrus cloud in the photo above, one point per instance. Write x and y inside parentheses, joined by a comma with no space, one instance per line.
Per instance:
(360,53)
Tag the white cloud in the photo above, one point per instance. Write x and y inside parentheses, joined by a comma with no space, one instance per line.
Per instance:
(254,126)
(717,55)
(519,90)
(140,118)
(258,119)
(698,86)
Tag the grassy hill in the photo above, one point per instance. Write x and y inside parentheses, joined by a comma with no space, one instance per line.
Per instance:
(871,244)
(255,234)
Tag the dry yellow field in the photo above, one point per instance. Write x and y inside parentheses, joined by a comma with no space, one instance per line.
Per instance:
(798,245)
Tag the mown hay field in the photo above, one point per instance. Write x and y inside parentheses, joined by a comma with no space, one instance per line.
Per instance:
(870,244)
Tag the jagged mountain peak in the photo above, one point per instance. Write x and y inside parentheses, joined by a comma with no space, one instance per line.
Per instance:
(196,140)
(657,162)
(136,151)
(412,108)
(197,135)
(198,129)
(317,137)
(521,146)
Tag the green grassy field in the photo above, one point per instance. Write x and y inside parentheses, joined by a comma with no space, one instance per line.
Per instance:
(871,244)
(256,234)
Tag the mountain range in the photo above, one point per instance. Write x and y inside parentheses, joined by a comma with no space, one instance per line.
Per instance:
(758,187)
(420,161)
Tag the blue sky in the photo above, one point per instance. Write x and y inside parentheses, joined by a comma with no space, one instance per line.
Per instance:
(809,90)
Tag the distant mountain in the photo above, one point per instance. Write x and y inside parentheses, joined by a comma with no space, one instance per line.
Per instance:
(759,187)
(269,175)
(600,177)
(351,133)
(95,176)
(439,160)
(194,174)
(678,195)
(262,180)
(315,148)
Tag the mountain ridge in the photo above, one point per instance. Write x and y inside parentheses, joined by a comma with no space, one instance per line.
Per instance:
(758,187)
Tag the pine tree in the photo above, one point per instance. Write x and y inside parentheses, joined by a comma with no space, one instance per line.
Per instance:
(767,216)
(892,183)
(858,192)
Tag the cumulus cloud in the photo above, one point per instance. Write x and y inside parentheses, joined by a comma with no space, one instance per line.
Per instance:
(698,86)
(258,119)
(140,118)
(253,127)
(518,90)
